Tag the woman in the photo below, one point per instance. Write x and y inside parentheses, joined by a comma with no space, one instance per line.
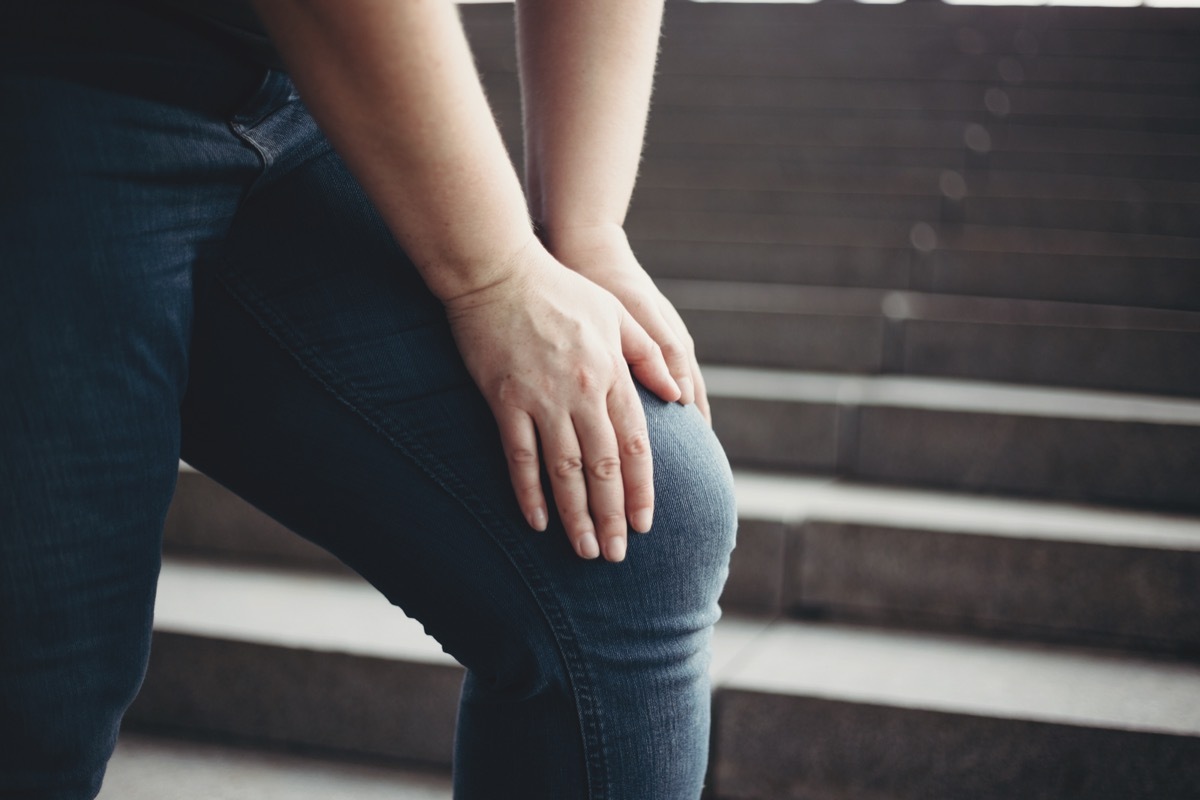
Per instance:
(471,410)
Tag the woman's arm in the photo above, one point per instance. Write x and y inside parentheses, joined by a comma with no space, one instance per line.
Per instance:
(587,69)
(393,86)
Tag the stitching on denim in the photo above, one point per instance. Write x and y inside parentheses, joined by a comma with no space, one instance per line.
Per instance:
(580,677)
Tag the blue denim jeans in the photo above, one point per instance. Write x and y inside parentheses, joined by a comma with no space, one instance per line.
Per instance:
(186,268)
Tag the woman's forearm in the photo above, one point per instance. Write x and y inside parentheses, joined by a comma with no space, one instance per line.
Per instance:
(394,87)
(587,70)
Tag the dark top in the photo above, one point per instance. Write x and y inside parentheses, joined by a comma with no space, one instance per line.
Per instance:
(235,22)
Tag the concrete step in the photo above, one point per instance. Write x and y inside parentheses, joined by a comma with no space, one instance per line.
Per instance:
(1111,279)
(828,711)
(802,710)
(824,548)
(1061,444)
(314,660)
(1148,351)
(1138,215)
(148,767)
(833,231)
(828,549)
(851,179)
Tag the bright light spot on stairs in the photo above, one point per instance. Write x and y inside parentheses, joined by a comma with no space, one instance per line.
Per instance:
(923,237)
(977,138)
(997,102)
(896,306)
(952,184)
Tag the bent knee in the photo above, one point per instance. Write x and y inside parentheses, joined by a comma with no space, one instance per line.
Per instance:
(692,479)
(695,517)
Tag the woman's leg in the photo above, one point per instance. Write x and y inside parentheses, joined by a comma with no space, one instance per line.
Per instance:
(326,389)
(108,192)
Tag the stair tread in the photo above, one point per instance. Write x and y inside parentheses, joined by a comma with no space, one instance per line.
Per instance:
(150,768)
(955,674)
(966,676)
(793,498)
(290,608)
(947,395)
(317,611)
(769,298)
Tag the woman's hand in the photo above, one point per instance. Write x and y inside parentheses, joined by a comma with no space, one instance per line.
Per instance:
(602,254)
(552,353)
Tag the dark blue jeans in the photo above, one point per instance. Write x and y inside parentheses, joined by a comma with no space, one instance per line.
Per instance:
(186,268)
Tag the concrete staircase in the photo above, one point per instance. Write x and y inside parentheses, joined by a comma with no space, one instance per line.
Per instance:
(943,262)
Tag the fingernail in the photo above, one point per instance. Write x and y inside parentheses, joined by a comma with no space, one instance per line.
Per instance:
(687,392)
(615,548)
(588,546)
(538,519)
(642,520)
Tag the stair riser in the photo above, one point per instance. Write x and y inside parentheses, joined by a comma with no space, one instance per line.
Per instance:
(1084,460)
(206,519)
(797,748)
(1113,595)
(1112,280)
(1141,361)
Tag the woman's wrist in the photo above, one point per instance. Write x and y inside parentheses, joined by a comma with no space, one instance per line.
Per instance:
(460,278)
(590,247)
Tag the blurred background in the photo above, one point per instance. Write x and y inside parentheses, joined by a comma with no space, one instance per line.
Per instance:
(943,264)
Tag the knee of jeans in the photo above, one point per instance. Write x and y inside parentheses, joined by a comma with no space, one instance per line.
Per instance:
(647,616)
(675,573)
(695,509)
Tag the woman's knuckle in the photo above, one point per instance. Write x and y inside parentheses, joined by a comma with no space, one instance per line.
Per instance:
(637,444)
(612,521)
(568,466)
(522,456)
(585,379)
(605,468)
(672,351)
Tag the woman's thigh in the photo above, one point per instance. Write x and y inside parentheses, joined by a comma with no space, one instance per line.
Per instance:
(326,389)
(108,193)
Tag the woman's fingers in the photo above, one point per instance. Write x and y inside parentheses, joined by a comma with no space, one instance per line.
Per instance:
(600,469)
(678,357)
(603,475)
(633,444)
(702,393)
(550,352)
(674,351)
(520,447)
(645,359)
(564,463)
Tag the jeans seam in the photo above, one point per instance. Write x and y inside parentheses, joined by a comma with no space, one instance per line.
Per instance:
(578,674)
